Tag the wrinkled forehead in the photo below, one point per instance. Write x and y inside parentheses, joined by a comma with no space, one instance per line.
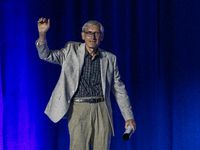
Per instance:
(95,28)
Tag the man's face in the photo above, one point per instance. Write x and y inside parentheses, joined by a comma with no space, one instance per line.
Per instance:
(92,36)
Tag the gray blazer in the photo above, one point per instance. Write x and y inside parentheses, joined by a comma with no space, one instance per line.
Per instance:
(71,58)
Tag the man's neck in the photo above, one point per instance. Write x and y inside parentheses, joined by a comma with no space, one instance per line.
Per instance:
(92,51)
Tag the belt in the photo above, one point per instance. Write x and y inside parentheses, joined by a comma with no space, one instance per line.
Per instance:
(90,100)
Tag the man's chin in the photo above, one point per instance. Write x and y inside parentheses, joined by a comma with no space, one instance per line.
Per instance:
(93,46)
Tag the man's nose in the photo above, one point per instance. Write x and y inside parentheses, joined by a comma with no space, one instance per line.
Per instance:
(93,36)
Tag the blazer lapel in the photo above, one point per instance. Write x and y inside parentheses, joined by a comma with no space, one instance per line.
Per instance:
(104,65)
(80,58)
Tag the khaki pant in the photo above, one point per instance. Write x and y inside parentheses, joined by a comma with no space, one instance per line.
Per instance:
(89,125)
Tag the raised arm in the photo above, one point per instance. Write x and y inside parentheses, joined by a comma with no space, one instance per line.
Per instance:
(53,56)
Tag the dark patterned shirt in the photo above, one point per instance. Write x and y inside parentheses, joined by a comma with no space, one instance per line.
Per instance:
(90,80)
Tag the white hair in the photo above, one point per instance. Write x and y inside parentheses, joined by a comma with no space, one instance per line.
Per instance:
(92,22)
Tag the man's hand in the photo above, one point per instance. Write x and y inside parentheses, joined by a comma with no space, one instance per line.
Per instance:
(43,27)
(132,123)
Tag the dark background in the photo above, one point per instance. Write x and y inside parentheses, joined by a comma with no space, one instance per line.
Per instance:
(157,46)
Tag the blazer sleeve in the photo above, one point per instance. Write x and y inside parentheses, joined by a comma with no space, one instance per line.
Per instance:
(118,89)
(52,56)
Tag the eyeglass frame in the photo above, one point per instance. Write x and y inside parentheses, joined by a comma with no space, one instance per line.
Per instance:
(90,34)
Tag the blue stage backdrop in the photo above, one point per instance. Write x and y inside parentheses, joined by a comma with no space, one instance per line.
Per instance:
(157,43)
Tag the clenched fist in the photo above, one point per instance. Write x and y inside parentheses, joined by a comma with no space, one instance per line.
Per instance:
(43,25)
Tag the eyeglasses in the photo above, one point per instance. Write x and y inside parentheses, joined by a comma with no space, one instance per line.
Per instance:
(90,34)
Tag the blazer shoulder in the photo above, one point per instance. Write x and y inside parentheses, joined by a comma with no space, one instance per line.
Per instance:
(73,44)
(108,54)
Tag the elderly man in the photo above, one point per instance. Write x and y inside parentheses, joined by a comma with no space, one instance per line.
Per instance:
(83,90)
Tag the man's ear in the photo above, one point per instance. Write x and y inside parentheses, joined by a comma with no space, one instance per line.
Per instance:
(102,36)
(83,35)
